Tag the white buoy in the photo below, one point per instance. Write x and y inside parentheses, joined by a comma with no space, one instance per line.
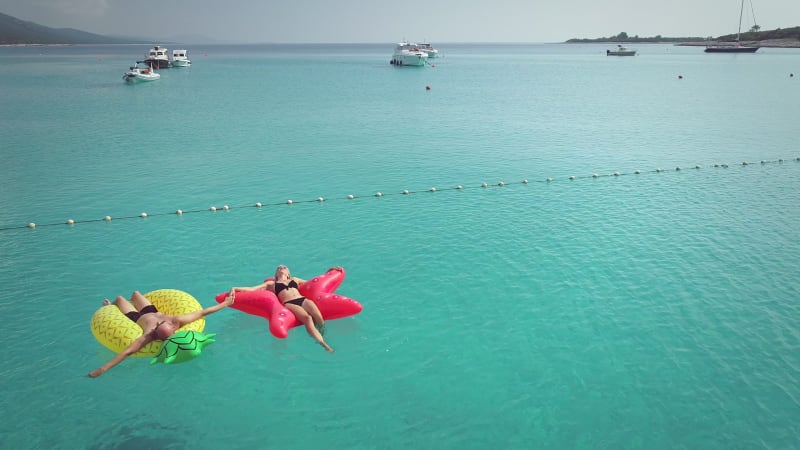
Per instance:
(433,189)
(548,179)
(378,194)
(179,212)
(226,207)
(501,184)
(258,205)
(212,209)
(289,202)
(405,191)
(70,222)
(350,197)
(594,175)
(572,177)
(637,171)
(659,170)
(616,174)
(744,163)
(677,169)
(31,225)
(763,162)
(107,218)
(320,199)
(485,184)
(696,167)
(143,215)
(459,187)
(524,181)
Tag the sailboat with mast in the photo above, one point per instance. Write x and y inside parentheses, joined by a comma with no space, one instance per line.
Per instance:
(736,47)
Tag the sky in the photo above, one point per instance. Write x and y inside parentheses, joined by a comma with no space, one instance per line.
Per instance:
(382,21)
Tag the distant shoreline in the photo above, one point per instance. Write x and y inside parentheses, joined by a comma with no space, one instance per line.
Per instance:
(35,45)
(767,43)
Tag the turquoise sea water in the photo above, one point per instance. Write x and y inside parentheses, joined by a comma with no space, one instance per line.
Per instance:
(649,310)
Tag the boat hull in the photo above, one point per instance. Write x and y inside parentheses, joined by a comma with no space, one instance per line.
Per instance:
(139,78)
(625,53)
(731,49)
(409,60)
(157,63)
(181,63)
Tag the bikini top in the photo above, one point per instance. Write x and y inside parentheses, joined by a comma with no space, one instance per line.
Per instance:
(280,286)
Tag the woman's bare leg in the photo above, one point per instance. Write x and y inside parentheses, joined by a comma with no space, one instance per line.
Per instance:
(139,300)
(312,309)
(123,305)
(303,317)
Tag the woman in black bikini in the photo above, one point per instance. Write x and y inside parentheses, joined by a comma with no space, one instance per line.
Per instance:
(305,310)
(155,325)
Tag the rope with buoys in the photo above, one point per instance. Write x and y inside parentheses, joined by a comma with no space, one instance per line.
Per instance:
(379,194)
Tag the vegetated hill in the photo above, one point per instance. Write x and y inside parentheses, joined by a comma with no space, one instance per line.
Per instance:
(753,35)
(778,33)
(623,37)
(16,31)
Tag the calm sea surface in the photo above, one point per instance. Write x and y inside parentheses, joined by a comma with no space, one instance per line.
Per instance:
(658,309)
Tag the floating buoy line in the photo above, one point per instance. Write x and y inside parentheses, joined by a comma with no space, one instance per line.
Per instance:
(483,185)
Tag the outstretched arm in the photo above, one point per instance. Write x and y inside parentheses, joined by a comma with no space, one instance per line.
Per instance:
(192,316)
(131,349)
(251,288)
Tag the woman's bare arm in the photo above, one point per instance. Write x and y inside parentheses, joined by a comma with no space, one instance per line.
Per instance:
(251,288)
(192,316)
(129,350)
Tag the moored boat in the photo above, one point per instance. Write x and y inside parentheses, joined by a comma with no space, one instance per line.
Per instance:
(157,57)
(408,54)
(621,51)
(180,58)
(428,48)
(136,74)
(734,47)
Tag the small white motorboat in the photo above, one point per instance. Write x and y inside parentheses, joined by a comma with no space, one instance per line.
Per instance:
(136,74)
(621,51)
(408,54)
(180,58)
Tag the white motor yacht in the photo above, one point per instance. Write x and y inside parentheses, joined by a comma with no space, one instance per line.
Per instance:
(157,57)
(428,48)
(408,54)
